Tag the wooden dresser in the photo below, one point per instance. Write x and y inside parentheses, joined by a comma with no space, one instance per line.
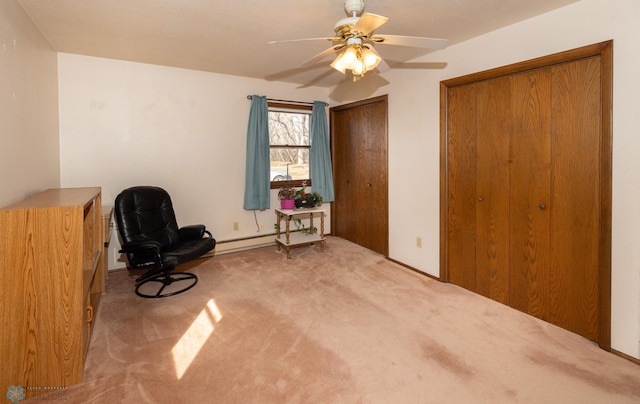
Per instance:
(52,275)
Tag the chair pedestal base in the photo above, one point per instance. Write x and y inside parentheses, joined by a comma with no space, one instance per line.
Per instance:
(162,281)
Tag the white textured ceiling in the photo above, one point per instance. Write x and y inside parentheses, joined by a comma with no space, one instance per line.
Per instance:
(230,36)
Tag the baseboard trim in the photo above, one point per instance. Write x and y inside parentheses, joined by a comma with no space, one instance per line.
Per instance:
(625,356)
(416,270)
(245,243)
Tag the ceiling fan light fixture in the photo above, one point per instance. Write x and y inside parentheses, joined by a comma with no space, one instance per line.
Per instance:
(371,59)
(359,59)
(359,68)
(350,57)
(346,59)
(338,64)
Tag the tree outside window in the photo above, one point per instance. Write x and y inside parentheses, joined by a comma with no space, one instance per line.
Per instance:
(289,145)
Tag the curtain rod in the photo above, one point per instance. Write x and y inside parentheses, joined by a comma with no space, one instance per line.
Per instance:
(288,101)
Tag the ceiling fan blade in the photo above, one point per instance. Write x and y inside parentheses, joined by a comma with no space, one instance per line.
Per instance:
(324,54)
(332,39)
(369,23)
(411,41)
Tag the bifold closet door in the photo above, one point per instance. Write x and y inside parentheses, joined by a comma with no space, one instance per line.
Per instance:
(555,194)
(493,175)
(576,183)
(530,189)
(360,212)
(478,179)
(523,191)
(461,191)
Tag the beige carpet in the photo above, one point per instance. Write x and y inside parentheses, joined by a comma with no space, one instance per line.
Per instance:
(343,326)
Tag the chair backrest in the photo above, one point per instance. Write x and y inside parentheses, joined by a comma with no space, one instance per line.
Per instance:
(146,213)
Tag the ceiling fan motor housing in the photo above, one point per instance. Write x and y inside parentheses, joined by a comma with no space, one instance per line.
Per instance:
(343,27)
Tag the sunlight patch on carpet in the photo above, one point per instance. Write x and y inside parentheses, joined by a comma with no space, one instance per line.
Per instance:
(192,341)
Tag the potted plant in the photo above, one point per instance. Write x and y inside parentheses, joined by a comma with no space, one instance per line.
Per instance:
(304,199)
(287,198)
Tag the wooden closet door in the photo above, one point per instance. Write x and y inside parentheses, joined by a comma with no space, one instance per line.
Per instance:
(576,166)
(555,191)
(461,192)
(493,188)
(359,154)
(478,199)
(530,190)
(527,187)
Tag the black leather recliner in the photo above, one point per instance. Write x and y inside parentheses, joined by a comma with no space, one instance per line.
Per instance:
(152,240)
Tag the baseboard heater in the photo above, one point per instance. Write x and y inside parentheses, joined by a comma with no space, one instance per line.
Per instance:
(244,243)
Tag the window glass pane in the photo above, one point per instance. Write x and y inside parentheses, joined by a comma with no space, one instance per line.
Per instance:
(288,128)
(286,131)
(289,164)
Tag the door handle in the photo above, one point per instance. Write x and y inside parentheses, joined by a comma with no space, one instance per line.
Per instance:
(542,206)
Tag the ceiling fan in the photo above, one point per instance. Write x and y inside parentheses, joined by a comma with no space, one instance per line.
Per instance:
(355,41)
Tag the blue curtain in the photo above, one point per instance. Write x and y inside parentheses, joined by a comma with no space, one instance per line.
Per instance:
(320,156)
(256,187)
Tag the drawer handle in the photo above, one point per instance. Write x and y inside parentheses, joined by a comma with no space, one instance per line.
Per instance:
(89,314)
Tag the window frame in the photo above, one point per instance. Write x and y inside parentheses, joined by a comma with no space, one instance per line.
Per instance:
(273,105)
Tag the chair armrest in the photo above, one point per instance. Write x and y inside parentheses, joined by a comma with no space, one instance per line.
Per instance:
(192,232)
(148,247)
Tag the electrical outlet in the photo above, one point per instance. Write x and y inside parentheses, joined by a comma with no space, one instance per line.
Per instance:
(236,226)
(419,242)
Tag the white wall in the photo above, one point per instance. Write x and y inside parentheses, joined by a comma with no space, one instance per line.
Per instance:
(124,124)
(414,137)
(29,158)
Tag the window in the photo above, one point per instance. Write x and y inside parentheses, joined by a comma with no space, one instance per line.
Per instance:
(289,144)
